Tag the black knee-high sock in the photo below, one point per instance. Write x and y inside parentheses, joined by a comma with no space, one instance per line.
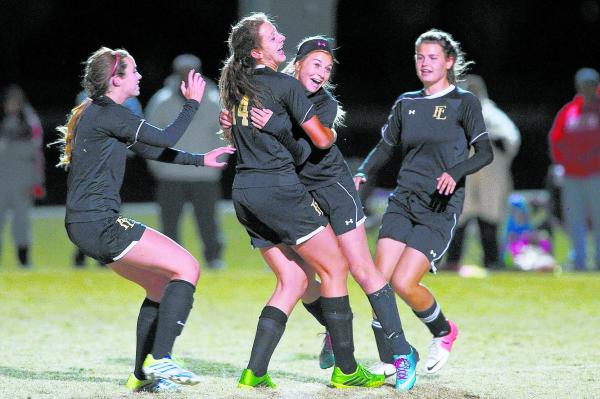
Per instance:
(384,305)
(173,312)
(386,354)
(315,309)
(271,325)
(338,315)
(145,332)
(434,320)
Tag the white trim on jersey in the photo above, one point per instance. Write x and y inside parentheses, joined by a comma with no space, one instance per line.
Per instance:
(307,111)
(476,137)
(441,93)
(138,130)
(436,95)
(383,129)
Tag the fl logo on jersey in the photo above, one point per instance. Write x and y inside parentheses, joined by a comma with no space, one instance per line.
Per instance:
(439,112)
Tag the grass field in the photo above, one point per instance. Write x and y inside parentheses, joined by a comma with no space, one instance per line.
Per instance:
(68,333)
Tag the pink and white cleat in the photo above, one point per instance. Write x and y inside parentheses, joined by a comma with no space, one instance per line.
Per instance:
(439,350)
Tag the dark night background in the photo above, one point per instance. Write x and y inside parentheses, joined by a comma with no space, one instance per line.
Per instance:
(527,52)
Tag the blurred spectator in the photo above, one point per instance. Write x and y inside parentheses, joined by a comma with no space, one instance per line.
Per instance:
(21,167)
(134,106)
(526,245)
(177,184)
(486,191)
(575,145)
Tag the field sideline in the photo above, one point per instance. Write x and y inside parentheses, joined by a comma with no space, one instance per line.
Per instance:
(68,333)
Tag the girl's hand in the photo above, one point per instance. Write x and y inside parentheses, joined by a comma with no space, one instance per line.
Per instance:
(210,158)
(445,184)
(225,119)
(359,179)
(194,90)
(260,117)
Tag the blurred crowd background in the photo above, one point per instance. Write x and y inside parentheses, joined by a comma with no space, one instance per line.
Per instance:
(528,53)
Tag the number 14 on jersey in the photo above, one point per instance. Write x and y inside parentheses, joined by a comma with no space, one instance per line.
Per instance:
(241,111)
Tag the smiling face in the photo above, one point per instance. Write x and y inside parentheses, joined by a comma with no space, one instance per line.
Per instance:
(314,70)
(432,65)
(270,52)
(129,82)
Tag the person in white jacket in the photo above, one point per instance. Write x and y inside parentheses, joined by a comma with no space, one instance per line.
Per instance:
(177,185)
(487,190)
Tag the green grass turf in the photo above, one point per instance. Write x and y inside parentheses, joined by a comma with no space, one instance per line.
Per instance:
(68,333)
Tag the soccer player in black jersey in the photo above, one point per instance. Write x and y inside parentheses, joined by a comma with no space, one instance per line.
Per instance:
(280,216)
(434,128)
(328,179)
(95,141)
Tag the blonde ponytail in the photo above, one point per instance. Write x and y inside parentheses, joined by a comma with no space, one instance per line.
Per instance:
(68,133)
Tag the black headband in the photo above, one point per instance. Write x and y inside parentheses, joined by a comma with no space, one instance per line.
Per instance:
(313,45)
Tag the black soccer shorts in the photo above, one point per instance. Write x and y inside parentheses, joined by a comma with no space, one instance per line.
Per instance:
(341,204)
(274,215)
(106,240)
(409,220)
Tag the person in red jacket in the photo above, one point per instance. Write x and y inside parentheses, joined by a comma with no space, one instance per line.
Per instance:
(575,145)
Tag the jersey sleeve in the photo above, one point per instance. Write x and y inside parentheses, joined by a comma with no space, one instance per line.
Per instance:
(278,127)
(120,122)
(477,137)
(327,112)
(392,130)
(167,155)
(298,105)
(385,149)
(472,120)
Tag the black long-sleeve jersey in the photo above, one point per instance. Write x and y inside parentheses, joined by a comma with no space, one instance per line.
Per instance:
(434,134)
(262,160)
(322,167)
(103,134)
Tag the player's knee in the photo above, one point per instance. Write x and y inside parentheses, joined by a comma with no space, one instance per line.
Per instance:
(360,274)
(334,271)
(190,270)
(294,283)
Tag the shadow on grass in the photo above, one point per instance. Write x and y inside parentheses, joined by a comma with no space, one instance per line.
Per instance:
(75,375)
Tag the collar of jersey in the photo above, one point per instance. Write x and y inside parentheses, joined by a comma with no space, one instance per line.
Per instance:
(441,93)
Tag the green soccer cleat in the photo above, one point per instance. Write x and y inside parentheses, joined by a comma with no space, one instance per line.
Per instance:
(360,378)
(248,380)
(166,368)
(158,386)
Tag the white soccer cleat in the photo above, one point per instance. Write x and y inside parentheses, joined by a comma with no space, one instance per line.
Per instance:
(439,350)
(169,370)
(387,369)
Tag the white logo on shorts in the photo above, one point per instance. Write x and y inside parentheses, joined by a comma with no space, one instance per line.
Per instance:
(349,222)
(411,111)
(180,323)
(433,254)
